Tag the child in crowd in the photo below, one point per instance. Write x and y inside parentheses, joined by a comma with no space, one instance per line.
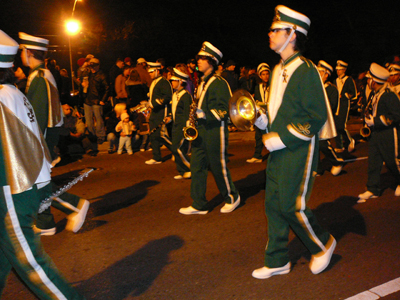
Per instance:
(126,128)
(111,120)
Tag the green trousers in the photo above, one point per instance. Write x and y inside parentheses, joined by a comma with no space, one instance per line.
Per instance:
(21,248)
(209,152)
(288,187)
(179,148)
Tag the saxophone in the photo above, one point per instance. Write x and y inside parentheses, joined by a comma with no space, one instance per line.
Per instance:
(190,132)
(365,131)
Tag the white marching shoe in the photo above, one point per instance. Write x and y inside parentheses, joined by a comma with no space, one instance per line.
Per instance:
(320,261)
(265,272)
(192,211)
(397,191)
(336,170)
(227,208)
(254,160)
(76,220)
(365,196)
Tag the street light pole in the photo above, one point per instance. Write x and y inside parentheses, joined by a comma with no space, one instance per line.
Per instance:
(72,28)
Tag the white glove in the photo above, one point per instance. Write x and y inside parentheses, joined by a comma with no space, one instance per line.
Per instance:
(262,121)
(369,121)
(200,114)
(273,142)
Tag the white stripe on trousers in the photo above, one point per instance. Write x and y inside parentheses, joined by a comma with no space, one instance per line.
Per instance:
(20,237)
(223,161)
(303,216)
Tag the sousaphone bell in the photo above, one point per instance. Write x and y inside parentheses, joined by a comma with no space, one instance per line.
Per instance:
(242,110)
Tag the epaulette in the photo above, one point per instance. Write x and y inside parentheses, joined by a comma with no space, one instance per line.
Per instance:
(40,72)
(307,61)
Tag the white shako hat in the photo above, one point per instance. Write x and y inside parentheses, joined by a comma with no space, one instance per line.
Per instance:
(289,18)
(378,73)
(153,66)
(341,65)
(8,50)
(179,75)
(263,67)
(324,66)
(209,50)
(394,69)
(32,42)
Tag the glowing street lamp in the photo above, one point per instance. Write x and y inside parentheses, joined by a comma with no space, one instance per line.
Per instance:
(72,27)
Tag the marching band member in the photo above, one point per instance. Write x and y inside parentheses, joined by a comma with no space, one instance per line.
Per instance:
(160,98)
(261,97)
(25,166)
(180,107)
(394,78)
(384,124)
(347,93)
(296,113)
(41,91)
(210,148)
(325,71)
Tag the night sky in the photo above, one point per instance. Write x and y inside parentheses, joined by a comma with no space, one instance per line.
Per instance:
(359,33)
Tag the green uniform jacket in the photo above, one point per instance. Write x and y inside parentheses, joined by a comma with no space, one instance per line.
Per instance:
(181,114)
(217,94)
(302,112)
(386,110)
(160,97)
(348,92)
(333,95)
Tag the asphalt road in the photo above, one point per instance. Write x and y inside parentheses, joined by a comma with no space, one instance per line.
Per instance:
(135,244)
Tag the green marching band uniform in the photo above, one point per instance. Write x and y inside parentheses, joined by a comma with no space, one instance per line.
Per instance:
(42,93)
(297,117)
(297,113)
(261,96)
(210,148)
(25,182)
(347,93)
(41,90)
(383,144)
(180,107)
(160,96)
(325,145)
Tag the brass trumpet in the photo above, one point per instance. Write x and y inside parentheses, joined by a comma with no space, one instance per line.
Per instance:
(242,110)
(139,108)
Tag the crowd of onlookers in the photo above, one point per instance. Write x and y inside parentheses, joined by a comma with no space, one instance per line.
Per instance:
(102,106)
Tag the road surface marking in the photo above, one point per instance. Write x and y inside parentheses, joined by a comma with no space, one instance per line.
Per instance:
(379,291)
